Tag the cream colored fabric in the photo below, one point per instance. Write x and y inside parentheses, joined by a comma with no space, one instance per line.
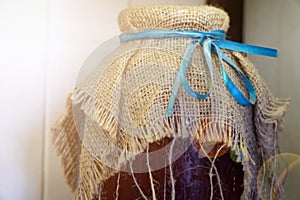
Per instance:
(124,102)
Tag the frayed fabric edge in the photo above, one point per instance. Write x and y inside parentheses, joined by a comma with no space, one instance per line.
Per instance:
(268,121)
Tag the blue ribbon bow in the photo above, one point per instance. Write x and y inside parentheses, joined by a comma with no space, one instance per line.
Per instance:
(212,42)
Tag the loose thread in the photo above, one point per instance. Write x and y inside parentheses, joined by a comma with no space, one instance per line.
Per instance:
(272,195)
(171,171)
(263,176)
(211,184)
(217,173)
(210,171)
(150,175)
(136,183)
(118,186)
(165,182)
(100,191)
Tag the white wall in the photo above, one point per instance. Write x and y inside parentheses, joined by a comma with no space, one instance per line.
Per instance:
(22,92)
(276,23)
(42,46)
(75,29)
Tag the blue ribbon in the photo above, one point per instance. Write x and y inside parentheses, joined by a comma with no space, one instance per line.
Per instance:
(212,42)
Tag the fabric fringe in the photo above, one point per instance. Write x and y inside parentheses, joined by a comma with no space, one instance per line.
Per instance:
(206,132)
(106,120)
(268,119)
(82,171)
(67,143)
(92,174)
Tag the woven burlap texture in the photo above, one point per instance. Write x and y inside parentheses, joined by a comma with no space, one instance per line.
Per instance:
(124,102)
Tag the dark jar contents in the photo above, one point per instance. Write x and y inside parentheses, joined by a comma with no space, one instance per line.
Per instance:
(191,174)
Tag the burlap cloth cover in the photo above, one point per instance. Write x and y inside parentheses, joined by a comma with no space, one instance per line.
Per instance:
(124,102)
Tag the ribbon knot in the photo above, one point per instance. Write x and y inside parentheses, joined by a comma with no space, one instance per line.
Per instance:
(202,39)
(212,42)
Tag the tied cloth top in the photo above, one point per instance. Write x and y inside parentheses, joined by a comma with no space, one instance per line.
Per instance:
(115,112)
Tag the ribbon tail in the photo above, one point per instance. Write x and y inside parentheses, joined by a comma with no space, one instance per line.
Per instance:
(232,88)
(207,54)
(173,96)
(180,76)
(183,71)
(207,45)
(246,48)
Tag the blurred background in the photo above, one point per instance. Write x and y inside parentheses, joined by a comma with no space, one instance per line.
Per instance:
(43,44)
